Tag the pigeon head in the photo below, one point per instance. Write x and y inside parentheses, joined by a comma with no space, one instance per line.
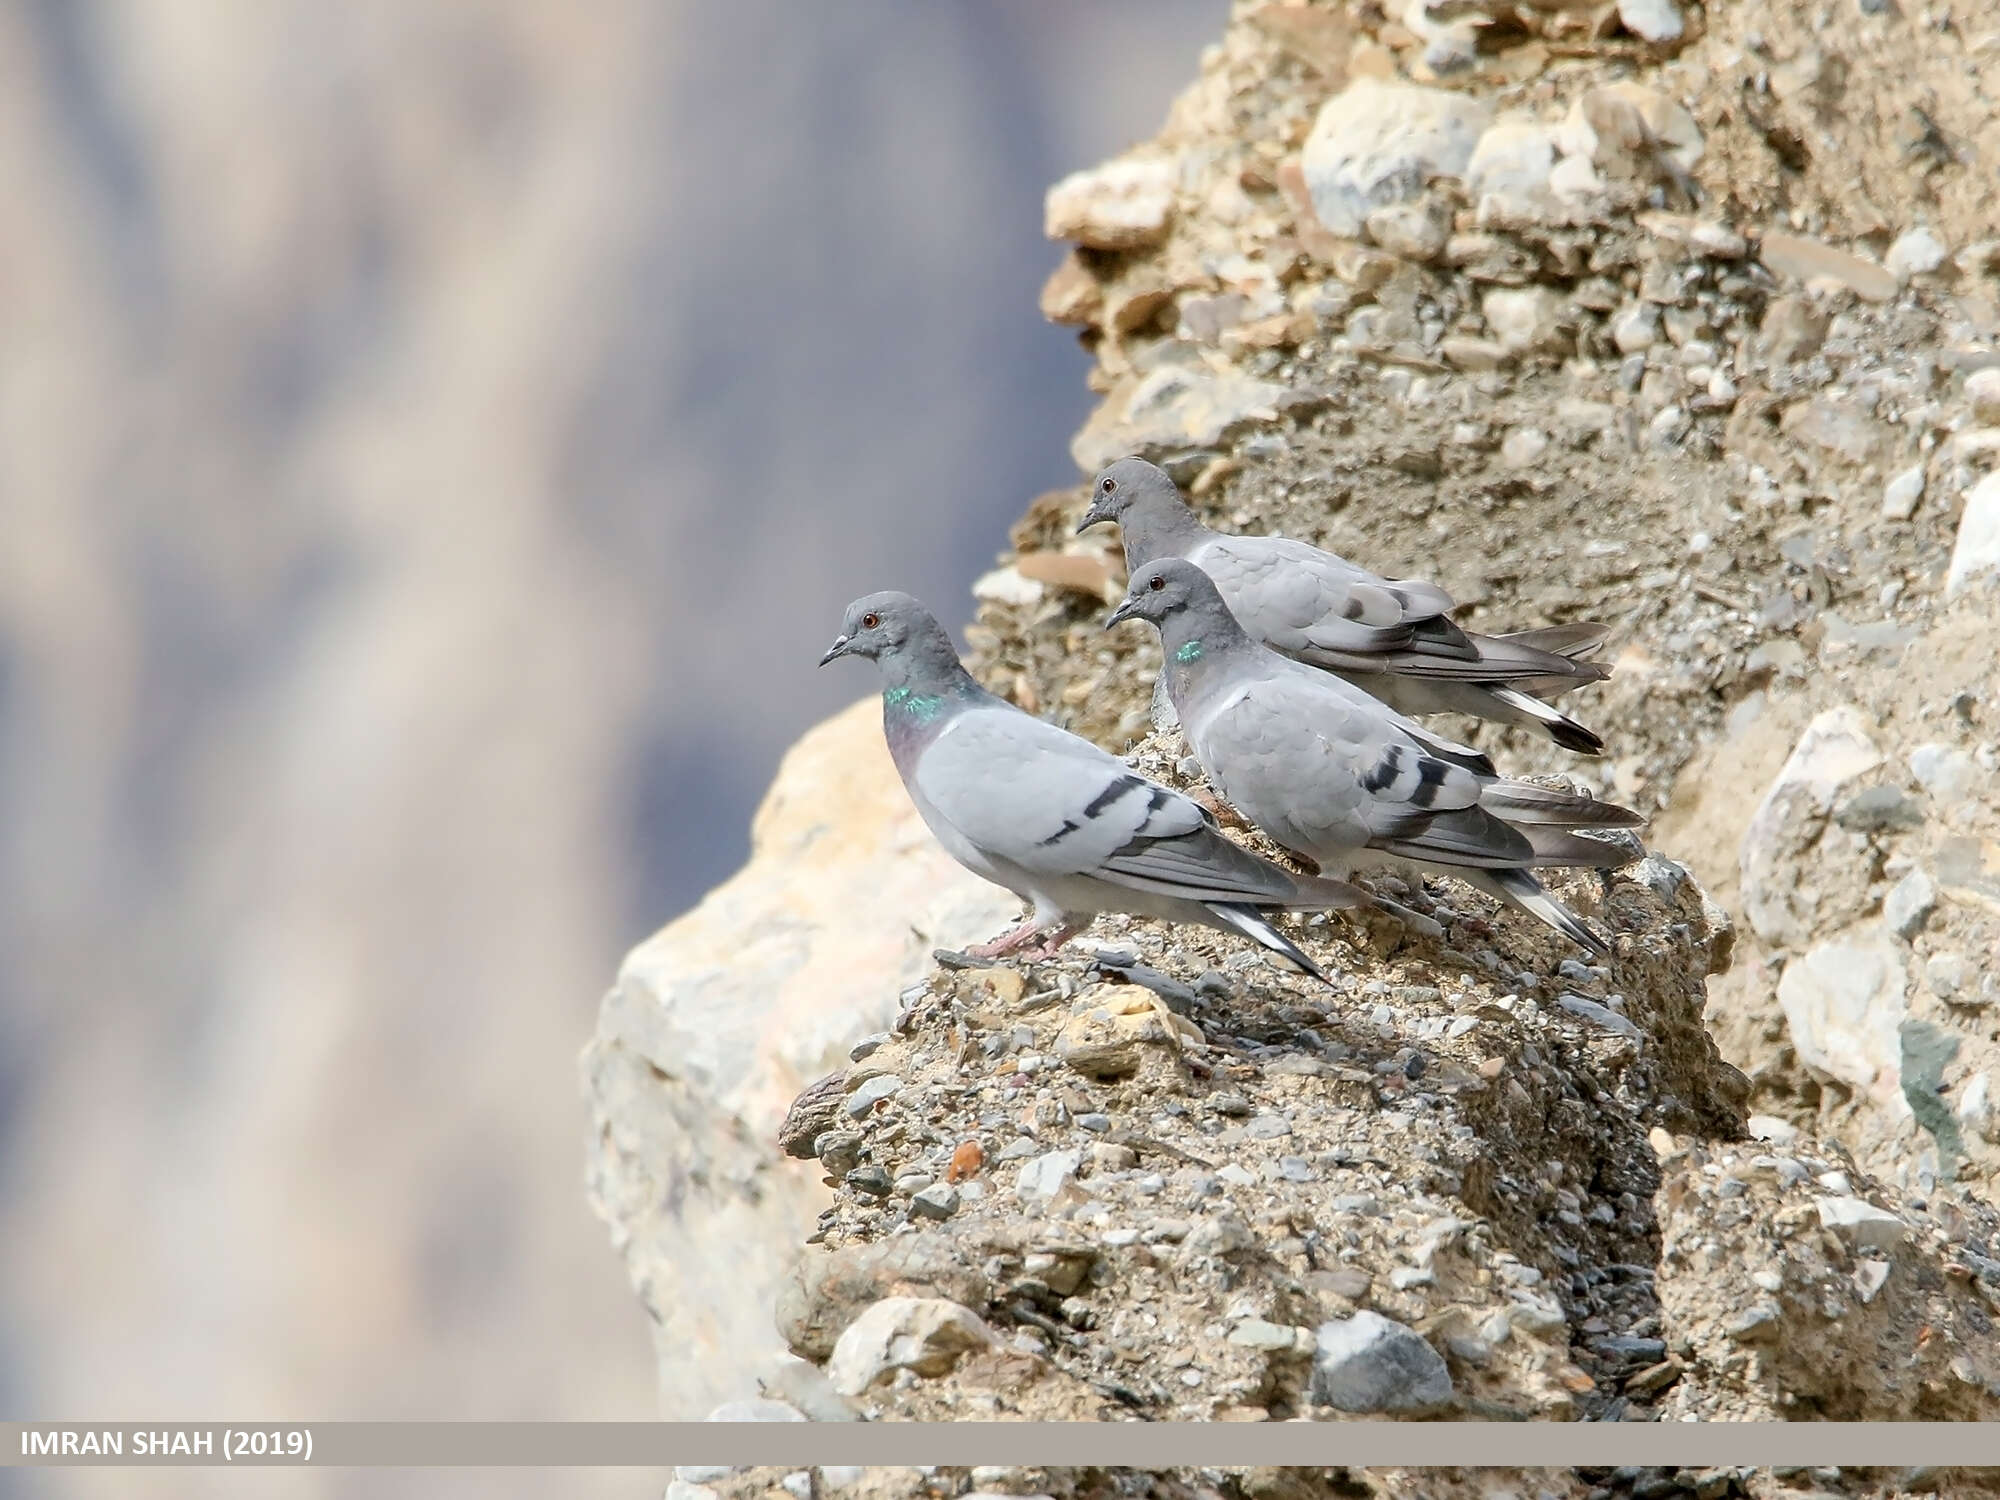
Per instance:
(1170,588)
(881,625)
(1142,500)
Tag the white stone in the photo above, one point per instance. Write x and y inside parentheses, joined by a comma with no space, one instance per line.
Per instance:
(1977,551)
(1949,975)
(1901,494)
(1007,586)
(1653,20)
(1982,390)
(1513,160)
(925,1335)
(1917,252)
(1834,749)
(1949,775)
(1375,142)
(1635,327)
(1844,1006)
(1523,318)
(1575,177)
(1522,446)
(1122,205)
(1909,904)
(1975,1106)
(1770,1128)
(1861,1224)
(1046,1175)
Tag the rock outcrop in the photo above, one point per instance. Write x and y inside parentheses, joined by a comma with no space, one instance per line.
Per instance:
(1657,336)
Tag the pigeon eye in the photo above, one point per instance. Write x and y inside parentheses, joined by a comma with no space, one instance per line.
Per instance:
(1107,486)
(1156,583)
(869,622)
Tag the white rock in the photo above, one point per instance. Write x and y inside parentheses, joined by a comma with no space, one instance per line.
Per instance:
(1844,1007)
(1977,551)
(1869,1277)
(1975,1107)
(1982,389)
(1949,975)
(1770,1128)
(1416,231)
(1834,749)
(1861,1224)
(1948,774)
(1044,1176)
(1522,446)
(1917,252)
(1635,327)
(1524,318)
(1007,586)
(1901,494)
(1375,142)
(1653,20)
(1512,160)
(1909,904)
(1122,205)
(926,1335)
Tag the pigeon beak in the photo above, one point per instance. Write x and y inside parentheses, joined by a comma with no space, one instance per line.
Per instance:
(1121,614)
(838,648)
(1090,519)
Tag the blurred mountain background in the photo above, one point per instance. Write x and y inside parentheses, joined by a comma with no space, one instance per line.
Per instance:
(436,442)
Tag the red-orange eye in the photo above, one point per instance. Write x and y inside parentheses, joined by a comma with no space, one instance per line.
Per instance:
(869,622)
(1157,582)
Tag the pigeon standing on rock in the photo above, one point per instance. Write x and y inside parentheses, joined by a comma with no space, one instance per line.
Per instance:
(1340,779)
(1390,637)
(1062,824)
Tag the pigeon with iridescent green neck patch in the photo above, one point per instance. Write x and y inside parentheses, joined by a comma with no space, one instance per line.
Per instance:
(1067,827)
(1392,637)
(1344,781)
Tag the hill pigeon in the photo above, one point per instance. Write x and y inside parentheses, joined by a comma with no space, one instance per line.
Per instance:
(1390,637)
(1343,780)
(1062,824)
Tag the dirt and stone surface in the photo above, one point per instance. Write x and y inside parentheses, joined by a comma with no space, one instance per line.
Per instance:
(1691,328)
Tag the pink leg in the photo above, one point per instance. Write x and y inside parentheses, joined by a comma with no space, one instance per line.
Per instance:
(1055,940)
(1006,943)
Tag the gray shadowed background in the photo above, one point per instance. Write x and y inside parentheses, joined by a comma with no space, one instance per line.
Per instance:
(435,444)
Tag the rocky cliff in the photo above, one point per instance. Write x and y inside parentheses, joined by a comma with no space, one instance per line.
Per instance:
(1681,320)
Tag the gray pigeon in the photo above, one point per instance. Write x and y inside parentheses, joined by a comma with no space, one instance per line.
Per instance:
(1062,824)
(1343,780)
(1391,637)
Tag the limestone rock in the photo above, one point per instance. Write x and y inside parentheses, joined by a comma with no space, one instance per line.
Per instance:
(718,1022)
(1844,1004)
(1976,553)
(1369,1363)
(1123,205)
(1861,1224)
(824,1293)
(1809,261)
(1176,407)
(1833,751)
(1622,127)
(926,1335)
(1916,252)
(1375,143)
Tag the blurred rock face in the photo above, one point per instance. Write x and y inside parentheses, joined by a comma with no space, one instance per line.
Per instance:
(434,445)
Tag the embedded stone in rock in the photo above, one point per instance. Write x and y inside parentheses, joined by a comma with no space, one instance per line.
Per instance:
(1657,21)
(1809,260)
(1862,1224)
(1524,318)
(1122,205)
(1376,142)
(1901,494)
(1512,160)
(826,1292)
(1844,1006)
(1628,126)
(926,1335)
(1949,775)
(1370,1363)
(1909,904)
(1175,408)
(1048,1174)
(1976,554)
(1982,390)
(1833,751)
(1917,252)
(1113,1028)
(1416,231)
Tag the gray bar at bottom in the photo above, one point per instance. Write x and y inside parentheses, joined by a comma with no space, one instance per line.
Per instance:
(1122,1444)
